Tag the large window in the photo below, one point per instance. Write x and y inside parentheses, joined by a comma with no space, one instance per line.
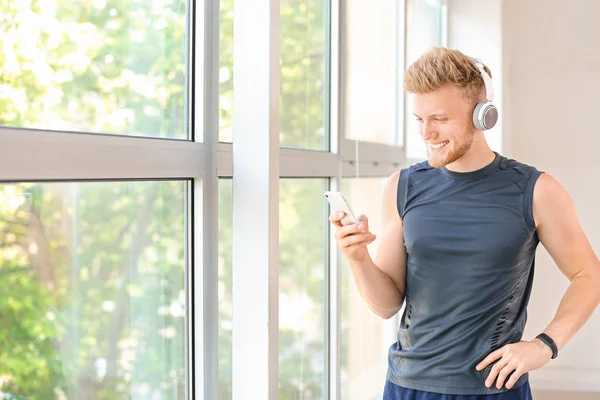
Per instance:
(98,66)
(93,290)
(335,57)
(365,337)
(96,199)
(118,197)
(304,74)
(226,71)
(302,289)
(374,58)
(225,286)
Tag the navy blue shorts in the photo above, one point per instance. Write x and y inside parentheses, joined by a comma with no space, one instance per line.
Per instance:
(395,392)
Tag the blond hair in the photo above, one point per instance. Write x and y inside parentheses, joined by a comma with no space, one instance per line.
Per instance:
(439,67)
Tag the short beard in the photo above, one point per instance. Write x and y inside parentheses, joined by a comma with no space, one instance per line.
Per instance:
(454,154)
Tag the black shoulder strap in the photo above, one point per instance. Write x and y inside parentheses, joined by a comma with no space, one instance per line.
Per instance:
(401,195)
(528,197)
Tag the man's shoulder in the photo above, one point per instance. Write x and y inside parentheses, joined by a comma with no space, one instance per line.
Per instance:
(519,173)
(416,168)
(510,164)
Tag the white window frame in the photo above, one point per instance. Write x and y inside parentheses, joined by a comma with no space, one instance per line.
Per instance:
(256,197)
(255,162)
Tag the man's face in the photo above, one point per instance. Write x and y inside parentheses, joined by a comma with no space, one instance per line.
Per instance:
(445,124)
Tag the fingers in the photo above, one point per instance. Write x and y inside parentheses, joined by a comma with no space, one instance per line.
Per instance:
(349,250)
(489,359)
(336,217)
(359,238)
(347,235)
(499,366)
(341,231)
(363,218)
(514,378)
(503,374)
(352,237)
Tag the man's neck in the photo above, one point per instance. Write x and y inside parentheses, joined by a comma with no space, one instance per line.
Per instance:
(475,159)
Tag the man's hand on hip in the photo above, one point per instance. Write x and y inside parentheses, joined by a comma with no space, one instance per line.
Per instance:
(520,357)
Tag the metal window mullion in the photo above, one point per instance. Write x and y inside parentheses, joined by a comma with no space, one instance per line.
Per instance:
(403,40)
(444,23)
(256,199)
(400,126)
(333,277)
(369,170)
(371,152)
(293,163)
(297,163)
(31,154)
(206,128)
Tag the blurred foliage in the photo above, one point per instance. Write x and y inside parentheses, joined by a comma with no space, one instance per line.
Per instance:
(304,92)
(93,273)
(93,290)
(107,66)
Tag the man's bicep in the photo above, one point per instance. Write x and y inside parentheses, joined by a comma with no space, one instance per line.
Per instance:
(391,255)
(559,229)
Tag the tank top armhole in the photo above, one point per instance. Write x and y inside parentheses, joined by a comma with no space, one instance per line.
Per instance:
(528,199)
(401,191)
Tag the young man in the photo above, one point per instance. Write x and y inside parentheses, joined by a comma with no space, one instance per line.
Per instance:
(458,246)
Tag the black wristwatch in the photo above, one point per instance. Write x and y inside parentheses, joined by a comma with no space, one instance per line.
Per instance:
(550,343)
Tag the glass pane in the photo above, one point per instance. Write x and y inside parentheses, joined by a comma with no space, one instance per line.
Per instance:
(93,298)
(372,65)
(226,71)
(365,337)
(423,30)
(225,287)
(303,241)
(116,67)
(304,74)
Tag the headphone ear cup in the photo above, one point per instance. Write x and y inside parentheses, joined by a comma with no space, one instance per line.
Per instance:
(485,116)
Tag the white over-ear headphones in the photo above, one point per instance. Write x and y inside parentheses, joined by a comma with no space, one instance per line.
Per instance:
(485,114)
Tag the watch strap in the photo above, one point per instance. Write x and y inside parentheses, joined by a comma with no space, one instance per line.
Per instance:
(550,343)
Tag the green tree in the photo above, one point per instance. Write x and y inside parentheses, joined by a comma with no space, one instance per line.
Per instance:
(93,273)
(94,276)
(107,66)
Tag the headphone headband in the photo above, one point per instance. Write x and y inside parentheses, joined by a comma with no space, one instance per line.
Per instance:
(487,80)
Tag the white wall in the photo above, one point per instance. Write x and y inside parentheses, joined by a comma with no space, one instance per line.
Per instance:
(551,77)
(548,56)
(475,28)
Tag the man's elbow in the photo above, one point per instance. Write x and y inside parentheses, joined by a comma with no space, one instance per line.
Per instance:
(386,313)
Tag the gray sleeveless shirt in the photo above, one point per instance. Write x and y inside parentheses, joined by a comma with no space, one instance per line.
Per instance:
(470,240)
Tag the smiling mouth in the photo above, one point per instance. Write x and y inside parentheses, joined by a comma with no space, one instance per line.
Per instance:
(438,145)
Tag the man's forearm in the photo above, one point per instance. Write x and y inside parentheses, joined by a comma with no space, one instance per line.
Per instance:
(377,289)
(577,305)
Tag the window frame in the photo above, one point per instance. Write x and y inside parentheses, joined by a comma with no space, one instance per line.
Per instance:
(375,160)
(47,155)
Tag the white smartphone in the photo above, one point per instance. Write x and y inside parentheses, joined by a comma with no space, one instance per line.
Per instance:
(338,203)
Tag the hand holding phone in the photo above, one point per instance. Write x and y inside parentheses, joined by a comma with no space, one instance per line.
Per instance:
(338,203)
(352,234)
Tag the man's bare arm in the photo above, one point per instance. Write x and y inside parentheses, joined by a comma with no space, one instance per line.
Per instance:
(382,283)
(561,234)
